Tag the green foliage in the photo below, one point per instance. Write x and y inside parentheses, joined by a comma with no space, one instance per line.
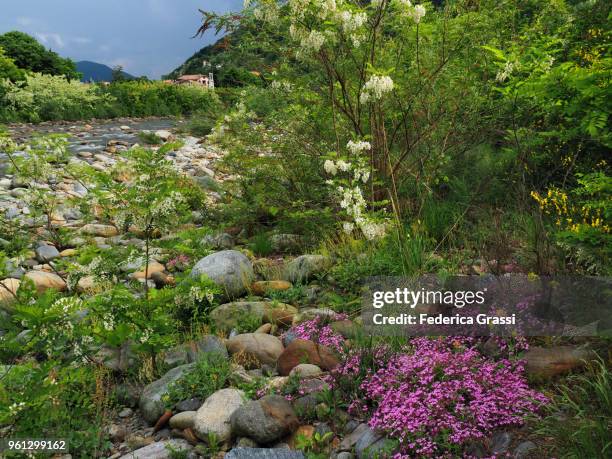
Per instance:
(29,54)
(8,69)
(210,374)
(54,401)
(149,138)
(579,419)
(44,97)
(261,245)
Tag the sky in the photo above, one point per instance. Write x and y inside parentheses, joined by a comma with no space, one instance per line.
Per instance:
(146,37)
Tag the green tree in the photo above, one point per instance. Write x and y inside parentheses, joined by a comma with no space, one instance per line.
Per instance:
(29,54)
(118,74)
(8,69)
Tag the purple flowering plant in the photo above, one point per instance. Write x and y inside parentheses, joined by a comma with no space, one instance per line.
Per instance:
(436,395)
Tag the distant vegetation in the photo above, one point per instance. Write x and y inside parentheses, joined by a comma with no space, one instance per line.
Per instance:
(28,54)
(38,85)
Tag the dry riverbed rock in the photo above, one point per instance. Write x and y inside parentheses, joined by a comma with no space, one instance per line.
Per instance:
(258,348)
(301,351)
(213,417)
(265,420)
(229,269)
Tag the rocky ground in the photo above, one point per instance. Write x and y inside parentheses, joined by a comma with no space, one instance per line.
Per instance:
(265,428)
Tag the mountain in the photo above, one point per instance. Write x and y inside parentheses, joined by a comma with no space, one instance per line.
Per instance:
(93,71)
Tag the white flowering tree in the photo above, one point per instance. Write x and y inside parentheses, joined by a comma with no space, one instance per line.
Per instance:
(378,66)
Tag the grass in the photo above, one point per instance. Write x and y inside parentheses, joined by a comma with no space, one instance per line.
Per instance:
(579,417)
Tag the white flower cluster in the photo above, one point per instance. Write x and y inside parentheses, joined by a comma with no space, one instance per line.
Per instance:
(503,74)
(168,205)
(313,41)
(415,12)
(283,85)
(376,87)
(351,198)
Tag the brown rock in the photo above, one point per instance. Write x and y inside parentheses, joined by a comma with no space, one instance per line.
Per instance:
(8,289)
(262,287)
(68,253)
(264,348)
(548,362)
(45,281)
(265,328)
(304,351)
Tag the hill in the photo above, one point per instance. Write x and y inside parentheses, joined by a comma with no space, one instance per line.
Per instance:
(231,64)
(94,71)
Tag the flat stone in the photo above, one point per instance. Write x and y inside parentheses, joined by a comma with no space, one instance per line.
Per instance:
(160,450)
(264,453)
(46,253)
(150,402)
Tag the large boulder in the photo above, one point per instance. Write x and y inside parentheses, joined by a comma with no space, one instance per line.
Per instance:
(167,449)
(8,290)
(195,350)
(220,241)
(264,453)
(304,351)
(150,402)
(229,315)
(213,417)
(263,348)
(45,253)
(95,229)
(544,363)
(44,281)
(305,267)
(265,420)
(229,269)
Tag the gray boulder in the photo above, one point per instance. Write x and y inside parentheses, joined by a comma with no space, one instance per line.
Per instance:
(265,420)
(213,417)
(229,269)
(264,453)
(46,253)
(219,241)
(150,402)
(195,350)
(160,450)
(305,267)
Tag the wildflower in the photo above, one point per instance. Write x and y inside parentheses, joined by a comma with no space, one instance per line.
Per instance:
(313,41)
(358,147)
(505,73)
(330,167)
(376,87)
(348,227)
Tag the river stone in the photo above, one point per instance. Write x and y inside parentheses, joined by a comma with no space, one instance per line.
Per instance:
(194,350)
(183,420)
(229,269)
(304,351)
(163,134)
(213,417)
(229,315)
(160,450)
(45,281)
(263,287)
(549,362)
(265,420)
(288,243)
(264,348)
(366,441)
(305,370)
(264,453)
(221,241)
(95,229)
(8,289)
(524,449)
(305,267)
(150,403)
(46,253)
(500,442)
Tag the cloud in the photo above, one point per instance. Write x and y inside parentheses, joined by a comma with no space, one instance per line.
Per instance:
(82,40)
(50,39)
(24,21)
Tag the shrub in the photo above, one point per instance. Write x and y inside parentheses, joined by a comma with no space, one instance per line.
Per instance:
(210,374)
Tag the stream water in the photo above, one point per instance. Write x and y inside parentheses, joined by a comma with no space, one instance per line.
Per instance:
(89,136)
